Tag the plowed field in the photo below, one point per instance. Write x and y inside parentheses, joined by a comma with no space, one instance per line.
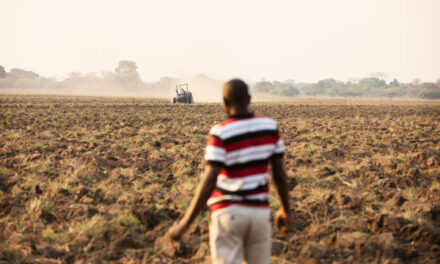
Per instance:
(96,180)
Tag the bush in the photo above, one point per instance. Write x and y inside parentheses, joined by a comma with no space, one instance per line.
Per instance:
(430,94)
(287,90)
(278,88)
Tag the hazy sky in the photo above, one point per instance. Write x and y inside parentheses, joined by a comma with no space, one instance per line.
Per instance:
(301,40)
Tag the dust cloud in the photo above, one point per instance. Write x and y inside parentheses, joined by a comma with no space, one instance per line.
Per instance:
(124,81)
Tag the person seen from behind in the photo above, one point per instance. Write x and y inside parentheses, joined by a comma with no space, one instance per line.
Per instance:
(235,183)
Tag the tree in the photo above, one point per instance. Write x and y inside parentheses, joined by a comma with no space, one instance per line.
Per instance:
(263,86)
(415,82)
(428,86)
(310,89)
(372,86)
(372,82)
(2,72)
(127,70)
(283,89)
(378,75)
(322,87)
(19,78)
(395,83)
(73,79)
(127,76)
(16,73)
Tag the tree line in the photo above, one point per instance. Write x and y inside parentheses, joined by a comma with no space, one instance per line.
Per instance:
(365,87)
(125,78)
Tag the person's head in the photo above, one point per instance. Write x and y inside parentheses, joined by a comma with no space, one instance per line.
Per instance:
(236,98)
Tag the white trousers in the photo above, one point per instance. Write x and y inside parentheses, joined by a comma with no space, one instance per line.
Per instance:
(238,233)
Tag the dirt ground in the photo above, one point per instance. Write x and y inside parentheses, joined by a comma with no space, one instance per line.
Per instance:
(97,180)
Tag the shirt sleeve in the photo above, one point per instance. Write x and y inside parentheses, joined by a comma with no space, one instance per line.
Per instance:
(215,152)
(279,146)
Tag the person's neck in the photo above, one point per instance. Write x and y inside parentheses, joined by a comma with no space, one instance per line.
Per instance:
(238,111)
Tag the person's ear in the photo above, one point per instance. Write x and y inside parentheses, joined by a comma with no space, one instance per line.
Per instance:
(226,102)
(248,100)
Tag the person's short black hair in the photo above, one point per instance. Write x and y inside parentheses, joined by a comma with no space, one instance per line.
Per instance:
(236,91)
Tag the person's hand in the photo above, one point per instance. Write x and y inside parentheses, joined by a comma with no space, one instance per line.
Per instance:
(176,232)
(282,221)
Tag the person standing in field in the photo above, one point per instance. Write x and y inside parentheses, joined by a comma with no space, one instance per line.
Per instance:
(235,183)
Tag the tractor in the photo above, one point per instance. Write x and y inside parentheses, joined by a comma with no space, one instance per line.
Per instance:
(182,95)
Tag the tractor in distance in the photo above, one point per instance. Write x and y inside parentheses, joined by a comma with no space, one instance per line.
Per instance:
(183,95)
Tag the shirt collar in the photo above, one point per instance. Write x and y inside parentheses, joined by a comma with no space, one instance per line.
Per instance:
(244,115)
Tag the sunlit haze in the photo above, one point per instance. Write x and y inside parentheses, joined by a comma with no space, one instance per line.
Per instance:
(300,40)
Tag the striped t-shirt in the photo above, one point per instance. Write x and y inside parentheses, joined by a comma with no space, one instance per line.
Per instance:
(242,147)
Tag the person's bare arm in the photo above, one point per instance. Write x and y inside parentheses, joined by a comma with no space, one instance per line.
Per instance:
(282,219)
(203,192)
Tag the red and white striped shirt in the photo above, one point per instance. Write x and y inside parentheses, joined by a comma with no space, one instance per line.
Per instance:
(242,146)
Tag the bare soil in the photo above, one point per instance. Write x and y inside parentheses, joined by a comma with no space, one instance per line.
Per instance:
(96,180)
